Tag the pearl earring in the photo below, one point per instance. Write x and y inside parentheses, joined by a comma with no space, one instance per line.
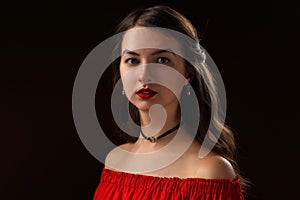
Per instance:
(188,92)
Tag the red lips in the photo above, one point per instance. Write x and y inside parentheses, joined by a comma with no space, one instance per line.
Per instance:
(146,93)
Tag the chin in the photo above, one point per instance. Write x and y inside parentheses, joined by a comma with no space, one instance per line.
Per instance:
(144,106)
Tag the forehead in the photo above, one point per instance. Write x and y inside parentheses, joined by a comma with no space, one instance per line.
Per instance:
(149,38)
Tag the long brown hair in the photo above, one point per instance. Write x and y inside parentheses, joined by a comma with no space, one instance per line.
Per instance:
(166,17)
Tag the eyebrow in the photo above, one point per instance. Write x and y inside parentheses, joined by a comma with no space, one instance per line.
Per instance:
(126,51)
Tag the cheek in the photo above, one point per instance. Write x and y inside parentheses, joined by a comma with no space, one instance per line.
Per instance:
(122,69)
(180,66)
(183,72)
(129,81)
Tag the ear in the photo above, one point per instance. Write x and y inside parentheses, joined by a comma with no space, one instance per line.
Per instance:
(189,78)
(189,73)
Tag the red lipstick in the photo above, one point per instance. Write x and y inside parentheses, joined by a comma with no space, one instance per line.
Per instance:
(146,93)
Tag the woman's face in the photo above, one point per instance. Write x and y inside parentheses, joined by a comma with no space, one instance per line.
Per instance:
(140,65)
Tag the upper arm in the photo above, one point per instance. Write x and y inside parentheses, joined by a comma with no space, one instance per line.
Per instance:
(113,158)
(107,158)
(217,167)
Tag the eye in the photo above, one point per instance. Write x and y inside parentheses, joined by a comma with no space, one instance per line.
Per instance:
(163,60)
(131,61)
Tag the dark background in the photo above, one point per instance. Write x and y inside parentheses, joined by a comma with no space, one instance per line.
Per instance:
(255,46)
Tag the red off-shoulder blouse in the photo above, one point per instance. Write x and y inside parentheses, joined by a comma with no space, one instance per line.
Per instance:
(115,185)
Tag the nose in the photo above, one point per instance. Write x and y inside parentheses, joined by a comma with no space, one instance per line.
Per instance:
(144,76)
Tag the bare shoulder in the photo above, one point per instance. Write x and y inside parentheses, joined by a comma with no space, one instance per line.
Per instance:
(215,167)
(113,157)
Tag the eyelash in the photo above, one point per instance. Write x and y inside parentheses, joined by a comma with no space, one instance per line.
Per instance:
(164,58)
(128,61)
(136,60)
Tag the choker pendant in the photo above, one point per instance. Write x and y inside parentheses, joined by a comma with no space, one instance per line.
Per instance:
(154,139)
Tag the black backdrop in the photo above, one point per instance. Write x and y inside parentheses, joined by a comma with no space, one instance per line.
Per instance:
(255,46)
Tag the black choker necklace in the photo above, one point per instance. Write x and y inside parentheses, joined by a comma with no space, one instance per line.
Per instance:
(154,139)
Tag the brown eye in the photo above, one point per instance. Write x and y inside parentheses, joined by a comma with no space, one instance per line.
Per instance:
(131,61)
(163,60)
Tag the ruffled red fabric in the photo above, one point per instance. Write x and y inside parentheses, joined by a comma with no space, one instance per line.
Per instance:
(115,185)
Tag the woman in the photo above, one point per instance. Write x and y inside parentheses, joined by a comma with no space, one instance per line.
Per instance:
(213,176)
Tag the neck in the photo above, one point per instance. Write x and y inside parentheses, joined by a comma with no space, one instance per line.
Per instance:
(153,129)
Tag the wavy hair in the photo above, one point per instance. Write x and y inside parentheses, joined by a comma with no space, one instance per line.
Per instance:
(205,90)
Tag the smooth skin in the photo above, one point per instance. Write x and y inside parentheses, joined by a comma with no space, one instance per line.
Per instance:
(189,164)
